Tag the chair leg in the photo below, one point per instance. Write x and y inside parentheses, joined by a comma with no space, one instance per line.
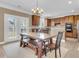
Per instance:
(45,52)
(20,43)
(55,53)
(27,44)
(24,44)
(36,51)
(50,49)
(59,52)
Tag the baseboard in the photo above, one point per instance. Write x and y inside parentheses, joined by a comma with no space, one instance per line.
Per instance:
(8,42)
(1,43)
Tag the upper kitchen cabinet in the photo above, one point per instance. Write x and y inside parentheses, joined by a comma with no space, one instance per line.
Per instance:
(48,22)
(72,19)
(35,20)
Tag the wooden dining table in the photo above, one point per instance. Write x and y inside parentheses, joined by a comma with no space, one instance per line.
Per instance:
(40,39)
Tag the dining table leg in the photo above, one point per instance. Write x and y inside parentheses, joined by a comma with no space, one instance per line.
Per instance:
(39,53)
(51,41)
(40,50)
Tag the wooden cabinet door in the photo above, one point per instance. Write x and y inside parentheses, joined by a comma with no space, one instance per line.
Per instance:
(48,22)
(70,19)
(35,20)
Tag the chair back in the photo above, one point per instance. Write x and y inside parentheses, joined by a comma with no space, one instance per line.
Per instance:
(24,38)
(58,40)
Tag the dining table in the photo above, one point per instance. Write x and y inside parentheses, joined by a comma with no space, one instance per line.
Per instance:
(40,38)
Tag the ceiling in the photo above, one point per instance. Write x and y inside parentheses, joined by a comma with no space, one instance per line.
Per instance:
(52,8)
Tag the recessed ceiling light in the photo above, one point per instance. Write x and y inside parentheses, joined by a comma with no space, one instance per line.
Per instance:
(72,11)
(69,2)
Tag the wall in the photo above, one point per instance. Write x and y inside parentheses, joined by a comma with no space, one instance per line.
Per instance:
(78,26)
(42,22)
(12,12)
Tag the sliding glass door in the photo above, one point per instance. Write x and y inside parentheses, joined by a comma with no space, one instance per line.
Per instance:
(13,26)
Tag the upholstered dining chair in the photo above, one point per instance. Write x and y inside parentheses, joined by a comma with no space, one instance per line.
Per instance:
(55,46)
(24,40)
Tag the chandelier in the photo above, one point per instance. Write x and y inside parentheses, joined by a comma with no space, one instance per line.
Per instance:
(37,10)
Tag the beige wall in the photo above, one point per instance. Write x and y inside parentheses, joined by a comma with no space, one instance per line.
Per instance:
(12,12)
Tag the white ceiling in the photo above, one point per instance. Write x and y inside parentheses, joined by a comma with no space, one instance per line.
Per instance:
(52,8)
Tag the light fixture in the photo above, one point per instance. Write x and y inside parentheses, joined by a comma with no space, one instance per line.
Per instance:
(37,10)
(69,2)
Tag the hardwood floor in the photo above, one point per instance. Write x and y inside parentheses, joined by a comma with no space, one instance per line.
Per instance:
(69,49)
(2,52)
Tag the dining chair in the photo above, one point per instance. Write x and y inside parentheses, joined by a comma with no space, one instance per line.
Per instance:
(24,40)
(55,46)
